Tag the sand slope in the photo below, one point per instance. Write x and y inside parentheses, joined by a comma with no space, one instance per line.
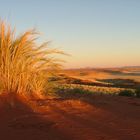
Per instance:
(96,118)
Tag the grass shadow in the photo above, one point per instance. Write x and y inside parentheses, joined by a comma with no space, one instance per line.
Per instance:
(22,120)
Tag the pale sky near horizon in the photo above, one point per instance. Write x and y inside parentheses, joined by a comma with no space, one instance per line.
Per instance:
(97,33)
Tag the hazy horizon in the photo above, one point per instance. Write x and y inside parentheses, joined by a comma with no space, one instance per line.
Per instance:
(101,67)
(96,33)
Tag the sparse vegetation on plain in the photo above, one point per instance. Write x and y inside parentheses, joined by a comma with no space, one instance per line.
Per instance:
(137,92)
(128,93)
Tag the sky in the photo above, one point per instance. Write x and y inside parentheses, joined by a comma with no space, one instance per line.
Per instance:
(96,33)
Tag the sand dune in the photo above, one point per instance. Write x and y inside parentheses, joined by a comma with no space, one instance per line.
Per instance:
(90,118)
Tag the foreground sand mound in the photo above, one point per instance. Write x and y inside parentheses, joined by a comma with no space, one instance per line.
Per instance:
(97,118)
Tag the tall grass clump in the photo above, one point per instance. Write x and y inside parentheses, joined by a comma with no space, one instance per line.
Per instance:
(24,65)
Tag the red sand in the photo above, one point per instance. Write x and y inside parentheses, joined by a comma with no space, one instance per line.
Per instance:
(99,118)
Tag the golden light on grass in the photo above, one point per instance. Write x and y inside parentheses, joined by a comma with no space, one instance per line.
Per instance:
(23,63)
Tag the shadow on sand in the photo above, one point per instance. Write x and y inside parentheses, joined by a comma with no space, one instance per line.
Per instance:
(21,120)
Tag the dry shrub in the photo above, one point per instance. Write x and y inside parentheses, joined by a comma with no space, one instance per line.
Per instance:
(24,65)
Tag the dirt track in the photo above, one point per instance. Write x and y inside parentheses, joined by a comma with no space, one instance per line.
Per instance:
(99,118)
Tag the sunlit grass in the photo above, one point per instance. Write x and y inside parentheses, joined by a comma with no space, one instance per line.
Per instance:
(24,65)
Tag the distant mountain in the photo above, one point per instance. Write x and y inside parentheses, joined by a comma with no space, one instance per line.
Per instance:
(131,67)
(108,68)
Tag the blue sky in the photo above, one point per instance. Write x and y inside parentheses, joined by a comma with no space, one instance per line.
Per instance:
(97,33)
